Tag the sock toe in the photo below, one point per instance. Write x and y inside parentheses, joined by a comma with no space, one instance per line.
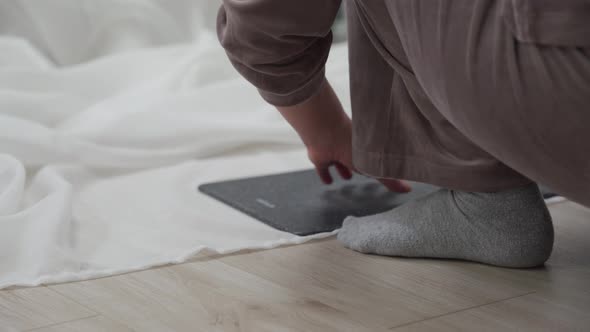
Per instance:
(352,235)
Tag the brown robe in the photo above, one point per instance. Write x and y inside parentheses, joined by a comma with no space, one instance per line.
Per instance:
(476,95)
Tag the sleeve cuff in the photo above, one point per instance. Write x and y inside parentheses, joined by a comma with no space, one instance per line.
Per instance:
(298,96)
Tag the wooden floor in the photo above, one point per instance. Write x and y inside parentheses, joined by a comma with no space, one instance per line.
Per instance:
(321,286)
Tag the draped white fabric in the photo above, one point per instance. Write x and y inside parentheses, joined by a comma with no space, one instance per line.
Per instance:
(111,114)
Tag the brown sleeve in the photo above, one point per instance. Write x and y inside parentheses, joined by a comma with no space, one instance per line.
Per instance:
(280,46)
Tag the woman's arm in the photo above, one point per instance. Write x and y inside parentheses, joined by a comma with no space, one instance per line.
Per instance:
(280,46)
(326,131)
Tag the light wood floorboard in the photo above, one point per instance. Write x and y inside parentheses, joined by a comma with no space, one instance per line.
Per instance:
(91,324)
(28,308)
(321,286)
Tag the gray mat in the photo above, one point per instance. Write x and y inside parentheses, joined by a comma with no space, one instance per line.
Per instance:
(298,203)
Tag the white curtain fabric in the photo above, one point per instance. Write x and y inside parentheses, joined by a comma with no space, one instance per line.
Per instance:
(112,112)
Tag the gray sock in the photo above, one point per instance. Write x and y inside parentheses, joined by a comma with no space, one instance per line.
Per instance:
(510,228)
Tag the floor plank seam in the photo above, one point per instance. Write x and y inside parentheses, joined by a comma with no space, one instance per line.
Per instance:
(73,300)
(61,323)
(98,313)
(460,310)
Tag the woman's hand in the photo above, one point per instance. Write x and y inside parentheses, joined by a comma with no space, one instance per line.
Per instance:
(326,131)
(332,148)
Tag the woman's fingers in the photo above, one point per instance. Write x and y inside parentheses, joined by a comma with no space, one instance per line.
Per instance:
(396,185)
(323,171)
(344,171)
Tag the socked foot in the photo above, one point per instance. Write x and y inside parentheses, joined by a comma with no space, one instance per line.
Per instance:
(510,228)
